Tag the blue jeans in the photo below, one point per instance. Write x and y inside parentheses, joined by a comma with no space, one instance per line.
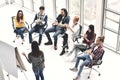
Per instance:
(39,73)
(86,60)
(58,30)
(38,29)
(20,31)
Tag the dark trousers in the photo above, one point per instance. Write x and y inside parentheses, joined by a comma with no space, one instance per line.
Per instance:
(57,31)
(65,43)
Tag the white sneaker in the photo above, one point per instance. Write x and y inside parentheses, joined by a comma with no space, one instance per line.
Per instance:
(74,69)
(77,78)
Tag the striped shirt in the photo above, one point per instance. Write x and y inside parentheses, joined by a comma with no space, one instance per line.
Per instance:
(98,52)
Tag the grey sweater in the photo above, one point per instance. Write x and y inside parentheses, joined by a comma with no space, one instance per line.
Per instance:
(37,62)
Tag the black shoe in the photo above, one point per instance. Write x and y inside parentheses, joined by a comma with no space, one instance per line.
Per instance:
(48,43)
(55,47)
(63,51)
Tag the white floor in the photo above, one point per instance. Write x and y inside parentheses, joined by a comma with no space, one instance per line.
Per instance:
(56,67)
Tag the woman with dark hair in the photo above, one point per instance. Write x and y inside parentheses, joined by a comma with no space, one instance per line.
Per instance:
(20,24)
(36,57)
(88,39)
(89,35)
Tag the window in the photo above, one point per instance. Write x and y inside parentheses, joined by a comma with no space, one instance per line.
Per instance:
(49,8)
(89,12)
(109,36)
(37,4)
(74,7)
(59,5)
(27,4)
(114,5)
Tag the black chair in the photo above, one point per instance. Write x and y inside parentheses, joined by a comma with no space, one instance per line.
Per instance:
(35,33)
(14,27)
(94,63)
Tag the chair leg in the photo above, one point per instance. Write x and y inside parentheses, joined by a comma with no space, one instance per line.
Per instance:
(94,70)
(97,71)
(90,73)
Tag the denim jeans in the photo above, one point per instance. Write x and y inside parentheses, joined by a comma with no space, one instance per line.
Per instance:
(86,60)
(57,31)
(38,29)
(20,31)
(39,73)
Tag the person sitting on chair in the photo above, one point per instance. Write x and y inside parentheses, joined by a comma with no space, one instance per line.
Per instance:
(88,39)
(41,20)
(75,32)
(94,53)
(20,24)
(59,27)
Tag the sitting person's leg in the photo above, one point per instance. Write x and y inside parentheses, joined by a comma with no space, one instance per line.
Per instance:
(16,31)
(65,43)
(52,29)
(86,60)
(83,57)
(73,49)
(76,54)
(85,63)
(30,34)
(58,31)
(41,30)
(21,31)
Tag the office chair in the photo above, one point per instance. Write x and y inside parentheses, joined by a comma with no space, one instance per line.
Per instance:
(14,27)
(94,63)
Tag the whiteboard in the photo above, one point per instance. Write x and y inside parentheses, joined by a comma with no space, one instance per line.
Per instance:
(8,59)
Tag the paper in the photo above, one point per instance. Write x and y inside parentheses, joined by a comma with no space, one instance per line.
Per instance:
(8,58)
(1,74)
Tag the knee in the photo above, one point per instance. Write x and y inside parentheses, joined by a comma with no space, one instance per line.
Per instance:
(40,34)
(30,32)
(55,35)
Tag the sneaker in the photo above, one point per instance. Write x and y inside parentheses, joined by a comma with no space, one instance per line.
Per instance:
(55,47)
(74,69)
(63,51)
(77,78)
(48,43)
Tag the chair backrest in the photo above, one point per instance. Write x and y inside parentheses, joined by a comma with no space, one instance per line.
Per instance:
(13,24)
(80,30)
(94,37)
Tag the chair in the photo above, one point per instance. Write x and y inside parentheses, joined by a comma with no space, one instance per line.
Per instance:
(94,63)
(33,24)
(14,27)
